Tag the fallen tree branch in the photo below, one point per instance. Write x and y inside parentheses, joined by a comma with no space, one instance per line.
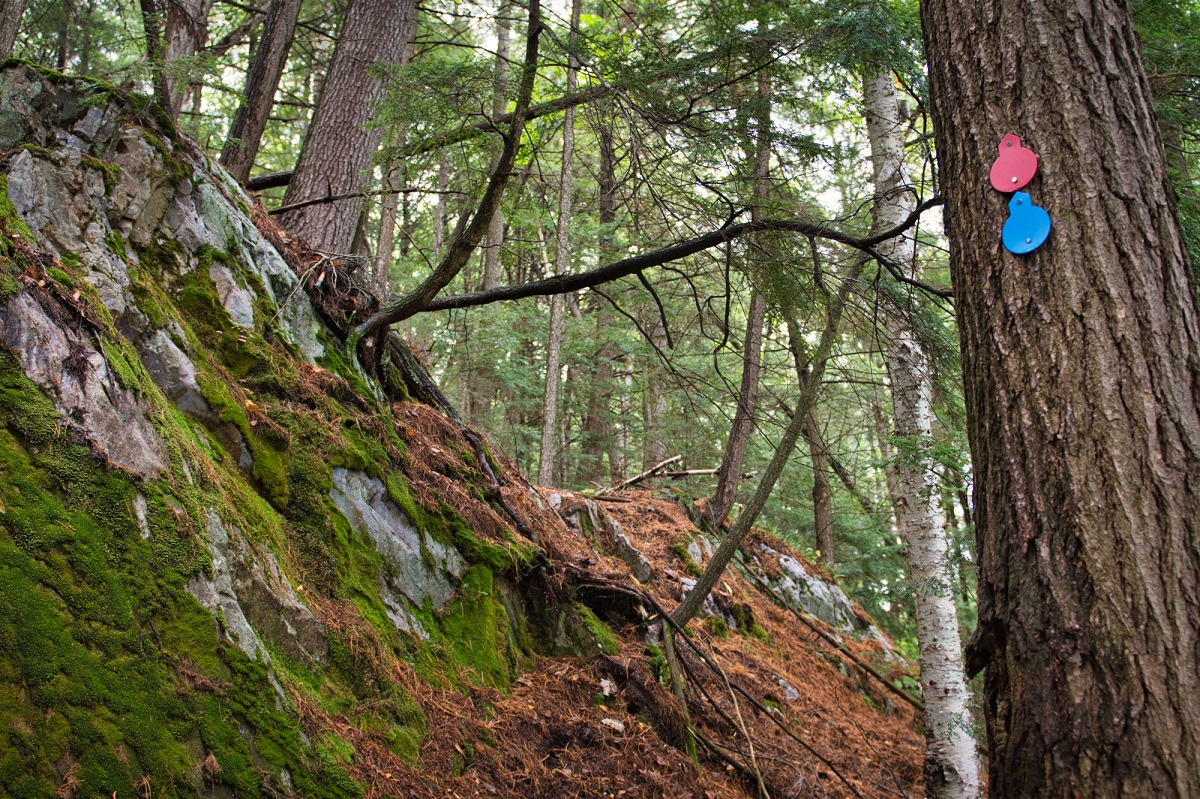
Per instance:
(695,472)
(658,467)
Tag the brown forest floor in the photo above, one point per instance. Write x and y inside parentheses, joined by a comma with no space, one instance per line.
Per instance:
(841,735)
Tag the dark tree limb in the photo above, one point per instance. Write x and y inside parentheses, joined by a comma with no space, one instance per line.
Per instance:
(564,284)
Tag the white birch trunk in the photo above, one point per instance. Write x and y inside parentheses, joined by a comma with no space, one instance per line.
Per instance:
(951,762)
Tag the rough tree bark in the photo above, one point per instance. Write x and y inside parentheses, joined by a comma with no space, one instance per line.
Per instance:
(11,12)
(729,473)
(186,33)
(951,764)
(562,262)
(262,80)
(1081,364)
(471,232)
(337,152)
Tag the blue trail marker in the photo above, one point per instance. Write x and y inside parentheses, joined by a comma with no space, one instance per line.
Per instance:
(1027,226)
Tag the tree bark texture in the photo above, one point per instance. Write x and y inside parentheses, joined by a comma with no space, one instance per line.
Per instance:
(262,81)
(186,33)
(951,763)
(1081,364)
(337,152)
(11,12)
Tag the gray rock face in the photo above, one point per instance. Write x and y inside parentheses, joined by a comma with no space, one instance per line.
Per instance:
(420,569)
(85,392)
(67,205)
(249,592)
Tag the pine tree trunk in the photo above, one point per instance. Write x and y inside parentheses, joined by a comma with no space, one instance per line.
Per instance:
(337,152)
(1081,364)
(951,763)
(11,12)
(262,81)
(186,33)
(388,208)
(600,433)
(439,213)
(550,396)
(562,263)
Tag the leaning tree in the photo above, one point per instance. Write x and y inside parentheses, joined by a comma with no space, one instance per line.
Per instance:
(1081,364)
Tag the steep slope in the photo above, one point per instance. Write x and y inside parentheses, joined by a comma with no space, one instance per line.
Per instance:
(231,567)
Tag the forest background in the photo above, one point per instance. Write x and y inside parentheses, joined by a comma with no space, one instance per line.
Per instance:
(671,127)
(646,125)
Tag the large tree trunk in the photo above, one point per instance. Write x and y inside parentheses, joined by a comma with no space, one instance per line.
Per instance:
(262,81)
(336,156)
(187,31)
(562,262)
(11,12)
(729,473)
(951,764)
(1081,364)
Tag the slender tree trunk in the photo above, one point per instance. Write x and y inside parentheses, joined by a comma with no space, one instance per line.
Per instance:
(186,34)
(262,81)
(884,438)
(730,471)
(494,240)
(439,214)
(388,208)
(64,37)
(822,491)
(1081,365)
(562,262)
(337,152)
(599,434)
(654,400)
(11,12)
(951,763)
